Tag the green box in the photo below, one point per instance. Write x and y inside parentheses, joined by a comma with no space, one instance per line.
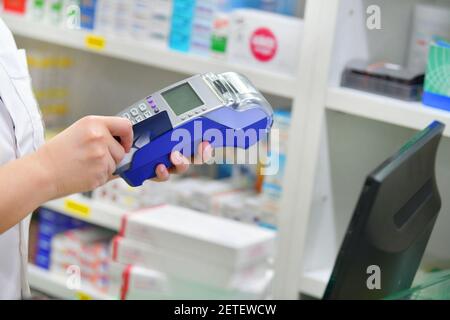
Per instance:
(437,80)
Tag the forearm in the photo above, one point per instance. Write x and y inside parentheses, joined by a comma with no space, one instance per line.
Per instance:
(24,185)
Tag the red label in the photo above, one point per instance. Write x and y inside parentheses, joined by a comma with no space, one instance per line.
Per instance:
(263,44)
(17,6)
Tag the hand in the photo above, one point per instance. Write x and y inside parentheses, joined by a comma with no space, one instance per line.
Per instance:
(85,155)
(182,163)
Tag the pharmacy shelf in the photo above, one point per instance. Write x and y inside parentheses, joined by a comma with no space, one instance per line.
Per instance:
(55,286)
(412,115)
(92,211)
(153,55)
(313,283)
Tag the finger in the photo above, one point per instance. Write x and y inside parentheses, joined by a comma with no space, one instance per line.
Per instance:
(116,150)
(121,128)
(180,162)
(111,167)
(162,174)
(204,153)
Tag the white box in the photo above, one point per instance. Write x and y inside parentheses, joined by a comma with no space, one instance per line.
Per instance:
(265,40)
(133,282)
(198,236)
(178,265)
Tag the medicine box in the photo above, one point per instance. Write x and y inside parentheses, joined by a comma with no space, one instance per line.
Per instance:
(437,83)
(265,40)
(197,236)
(177,263)
(132,282)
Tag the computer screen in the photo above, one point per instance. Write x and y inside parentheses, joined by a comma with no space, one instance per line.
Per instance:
(391,224)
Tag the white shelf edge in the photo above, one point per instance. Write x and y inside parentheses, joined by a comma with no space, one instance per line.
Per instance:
(150,54)
(412,115)
(314,283)
(101,214)
(55,285)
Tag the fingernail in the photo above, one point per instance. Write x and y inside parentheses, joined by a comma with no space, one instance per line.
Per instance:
(178,158)
(207,153)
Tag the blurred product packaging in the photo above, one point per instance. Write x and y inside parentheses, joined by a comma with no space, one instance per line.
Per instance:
(382,78)
(437,81)
(51,73)
(87,249)
(192,255)
(429,21)
(265,40)
(51,224)
(272,188)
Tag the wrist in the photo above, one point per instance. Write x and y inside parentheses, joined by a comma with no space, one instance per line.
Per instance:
(44,173)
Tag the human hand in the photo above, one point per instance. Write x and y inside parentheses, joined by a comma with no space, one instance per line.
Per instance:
(85,155)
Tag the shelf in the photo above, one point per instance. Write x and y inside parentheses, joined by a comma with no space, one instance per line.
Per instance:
(153,55)
(55,286)
(412,115)
(94,212)
(314,283)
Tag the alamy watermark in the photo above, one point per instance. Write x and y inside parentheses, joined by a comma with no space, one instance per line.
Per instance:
(262,146)
(373,21)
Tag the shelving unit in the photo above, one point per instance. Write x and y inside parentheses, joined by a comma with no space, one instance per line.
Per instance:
(412,115)
(148,54)
(55,285)
(91,211)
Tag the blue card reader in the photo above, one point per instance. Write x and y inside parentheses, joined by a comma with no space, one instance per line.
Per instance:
(223,109)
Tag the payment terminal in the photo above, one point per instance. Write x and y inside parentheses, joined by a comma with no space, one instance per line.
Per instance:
(223,109)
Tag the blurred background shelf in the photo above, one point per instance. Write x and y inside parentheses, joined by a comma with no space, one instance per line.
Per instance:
(412,115)
(55,286)
(91,211)
(147,54)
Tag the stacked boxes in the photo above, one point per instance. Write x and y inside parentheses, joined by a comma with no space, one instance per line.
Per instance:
(211,254)
(86,249)
(51,224)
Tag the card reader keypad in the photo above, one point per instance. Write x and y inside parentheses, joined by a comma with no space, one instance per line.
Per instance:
(140,111)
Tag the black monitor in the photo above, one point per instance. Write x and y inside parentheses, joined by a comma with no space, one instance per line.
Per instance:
(392,223)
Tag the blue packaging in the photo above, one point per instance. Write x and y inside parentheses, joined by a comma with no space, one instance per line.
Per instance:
(52,223)
(42,259)
(437,87)
(88,10)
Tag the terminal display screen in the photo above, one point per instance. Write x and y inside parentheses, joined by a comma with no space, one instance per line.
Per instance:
(182,98)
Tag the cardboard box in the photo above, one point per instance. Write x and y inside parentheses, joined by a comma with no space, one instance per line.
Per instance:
(132,282)
(180,264)
(198,236)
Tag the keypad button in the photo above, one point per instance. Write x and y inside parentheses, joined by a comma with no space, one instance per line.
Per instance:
(191,114)
(126,115)
(142,107)
(204,108)
(197,111)
(183,117)
(134,112)
(139,118)
(156,110)
(147,114)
